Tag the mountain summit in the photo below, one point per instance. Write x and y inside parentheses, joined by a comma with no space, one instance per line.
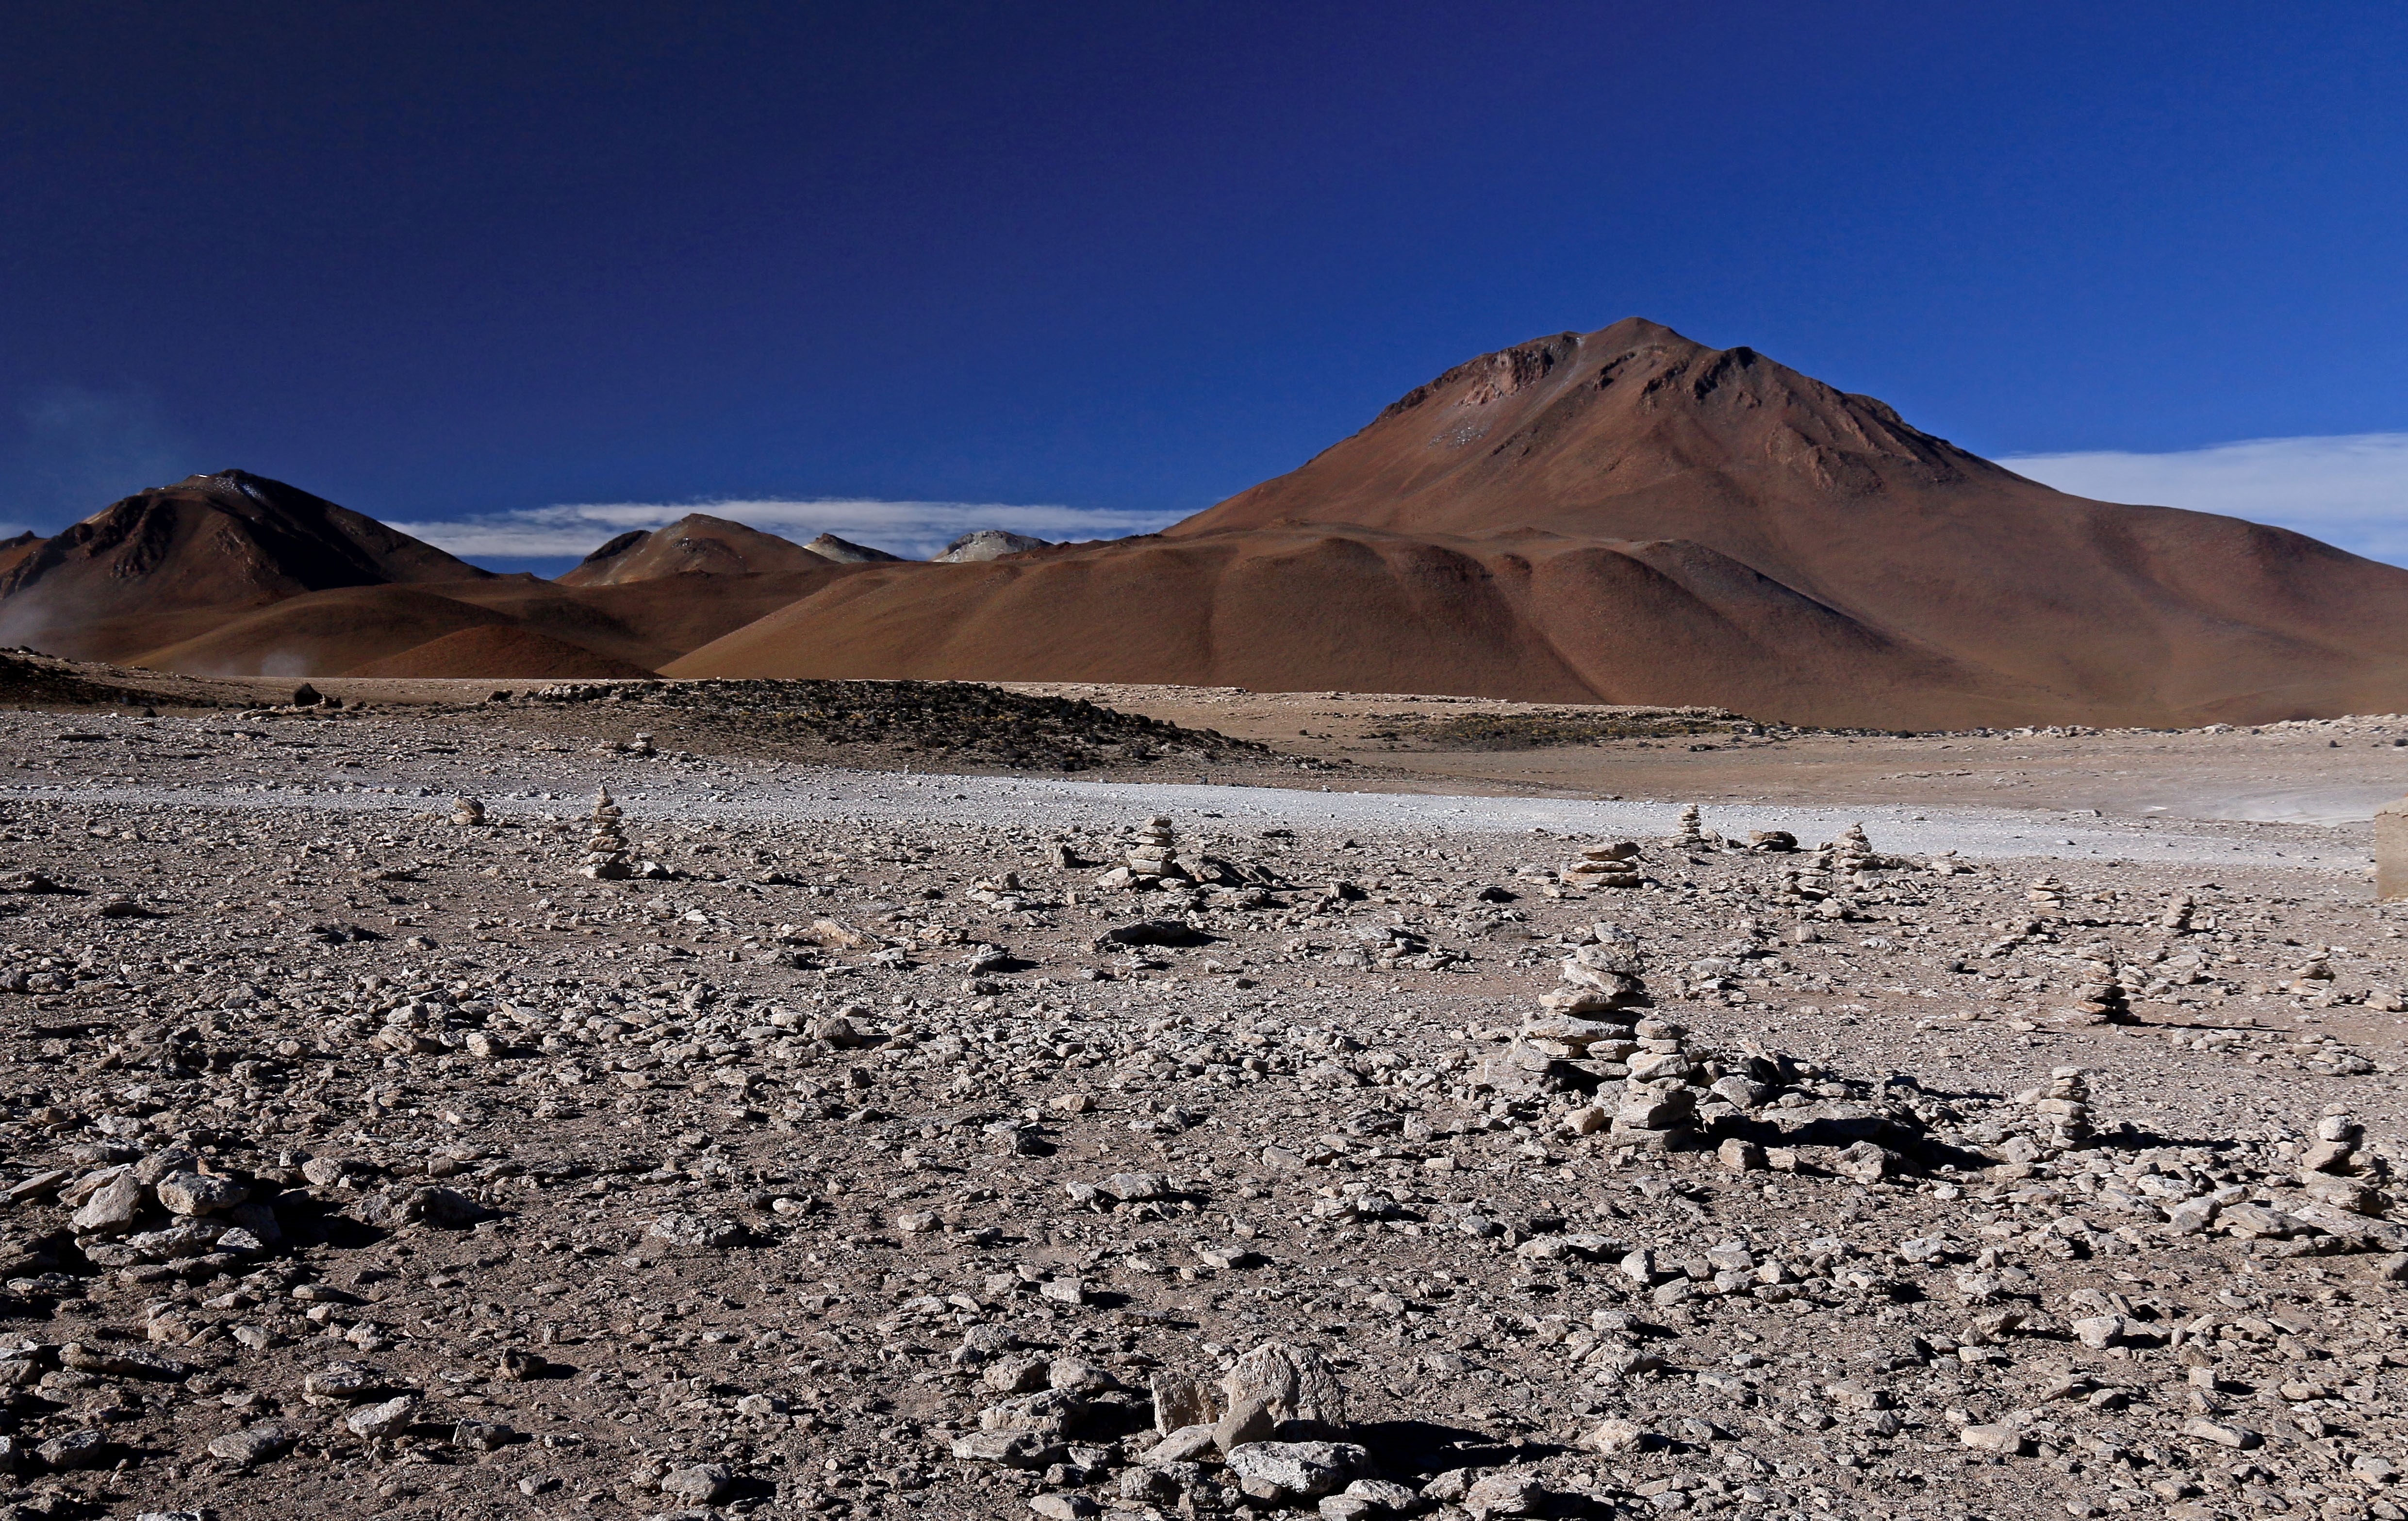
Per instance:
(1629,432)
(696,543)
(231,539)
(1630,516)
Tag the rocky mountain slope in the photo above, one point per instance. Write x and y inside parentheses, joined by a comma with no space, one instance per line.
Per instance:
(1630,516)
(697,543)
(173,561)
(1623,516)
(234,574)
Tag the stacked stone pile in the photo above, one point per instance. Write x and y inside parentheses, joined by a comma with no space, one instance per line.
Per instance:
(1853,853)
(2312,979)
(2102,998)
(1808,885)
(1656,1096)
(168,1206)
(1587,1020)
(2062,1111)
(1605,866)
(606,847)
(1270,1432)
(2046,895)
(2335,1150)
(1692,834)
(2335,1171)
(1814,880)
(1603,975)
(1154,857)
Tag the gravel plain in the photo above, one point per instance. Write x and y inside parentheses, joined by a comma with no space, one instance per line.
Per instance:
(886,1143)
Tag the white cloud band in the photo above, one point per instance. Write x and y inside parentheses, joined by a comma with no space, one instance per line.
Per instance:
(908,528)
(2346,489)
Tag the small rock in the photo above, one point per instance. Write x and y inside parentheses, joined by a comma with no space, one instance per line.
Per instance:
(705,1483)
(2099,1332)
(1180,1402)
(113,1208)
(1014,1375)
(1741,1156)
(84,1449)
(1183,1445)
(1386,1494)
(347,1382)
(1617,1436)
(2239,1438)
(384,1419)
(1295,1382)
(261,1443)
(1247,1421)
(1295,1469)
(199,1193)
(1504,1494)
(705,1232)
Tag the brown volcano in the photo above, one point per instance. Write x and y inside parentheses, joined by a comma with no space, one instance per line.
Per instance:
(1630,516)
(173,561)
(1623,516)
(696,543)
(236,575)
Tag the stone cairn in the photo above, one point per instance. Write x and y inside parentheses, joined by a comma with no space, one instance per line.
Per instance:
(1853,853)
(468,813)
(1594,1020)
(2062,1111)
(1605,866)
(2178,914)
(2335,1171)
(1807,885)
(2102,998)
(1587,1020)
(2046,895)
(606,848)
(1693,835)
(1154,859)
(1814,880)
(1657,1097)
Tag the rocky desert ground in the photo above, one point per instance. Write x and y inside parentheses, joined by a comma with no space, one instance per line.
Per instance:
(636,1099)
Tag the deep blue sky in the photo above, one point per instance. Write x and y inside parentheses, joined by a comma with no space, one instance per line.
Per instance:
(436,261)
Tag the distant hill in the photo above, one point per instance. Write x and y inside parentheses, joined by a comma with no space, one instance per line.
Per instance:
(234,574)
(845,552)
(1630,516)
(696,544)
(987,544)
(1620,516)
(143,566)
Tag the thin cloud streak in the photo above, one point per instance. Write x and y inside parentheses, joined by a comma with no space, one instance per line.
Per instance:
(916,529)
(2346,489)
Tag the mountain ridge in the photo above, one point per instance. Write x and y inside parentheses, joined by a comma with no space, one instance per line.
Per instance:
(1965,593)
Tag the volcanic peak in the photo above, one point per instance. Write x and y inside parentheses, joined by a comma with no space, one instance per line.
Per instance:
(696,543)
(227,537)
